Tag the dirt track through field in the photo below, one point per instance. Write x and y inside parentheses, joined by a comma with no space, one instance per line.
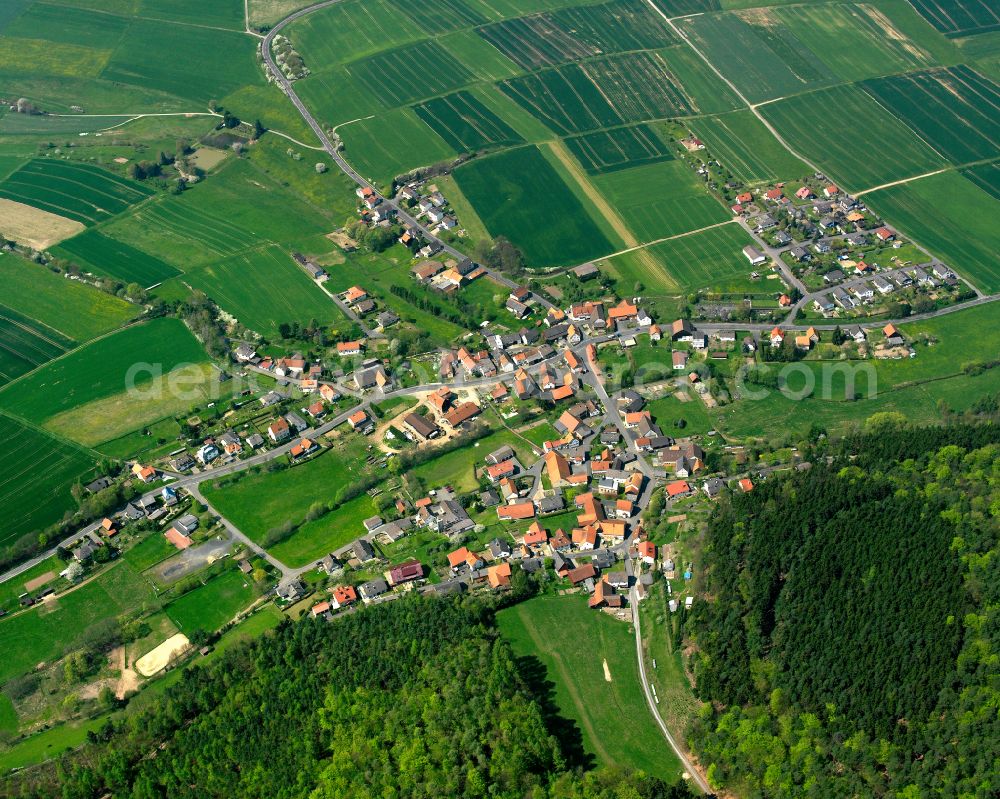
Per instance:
(609,213)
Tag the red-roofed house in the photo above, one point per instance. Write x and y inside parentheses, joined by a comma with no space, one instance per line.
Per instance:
(678,488)
(344,595)
(519,510)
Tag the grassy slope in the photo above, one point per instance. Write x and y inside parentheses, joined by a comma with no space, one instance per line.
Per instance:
(572,642)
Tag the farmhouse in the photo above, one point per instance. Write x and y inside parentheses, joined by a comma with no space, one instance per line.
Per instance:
(421,427)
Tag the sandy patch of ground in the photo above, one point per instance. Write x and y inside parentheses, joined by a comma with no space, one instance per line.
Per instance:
(208,158)
(158,659)
(34,227)
(607,671)
(128,680)
(38,582)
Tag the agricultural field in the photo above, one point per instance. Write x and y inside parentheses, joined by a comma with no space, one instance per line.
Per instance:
(36,475)
(77,311)
(955,110)
(110,419)
(402,75)
(619,148)
(685,263)
(233,212)
(81,192)
(519,195)
(465,124)
(99,370)
(34,227)
(350,30)
(268,12)
(605,92)
(889,150)
(853,41)
(678,8)
(762,59)
(48,631)
(954,218)
(218,14)
(193,63)
(440,16)
(741,143)
(661,200)
(211,605)
(960,17)
(26,344)
(393,143)
(94,252)
(244,286)
(573,34)
(986,177)
(589,660)
(67,25)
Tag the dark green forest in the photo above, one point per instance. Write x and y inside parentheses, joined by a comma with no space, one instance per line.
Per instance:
(414,698)
(852,647)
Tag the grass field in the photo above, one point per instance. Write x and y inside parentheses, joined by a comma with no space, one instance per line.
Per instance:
(195,63)
(148,552)
(661,200)
(244,286)
(99,370)
(393,143)
(315,539)
(951,216)
(912,386)
(93,251)
(619,148)
(746,148)
(440,16)
(519,195)
(888,151)
(36,475)
(687,263)
(47,632)
(959,17)
(259,502)
(85,193)
(668,410)
(218,14)
(26,344)
(604,92)
(235,211)
(49,743)
(956,110)
(465,124)
(577,33)
(456,468)
(391,269)
(565,645)
(211,605)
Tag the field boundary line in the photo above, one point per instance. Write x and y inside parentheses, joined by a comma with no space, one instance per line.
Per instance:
(683,36)
(654,242)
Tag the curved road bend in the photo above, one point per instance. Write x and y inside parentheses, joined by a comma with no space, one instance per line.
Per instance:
(342,163)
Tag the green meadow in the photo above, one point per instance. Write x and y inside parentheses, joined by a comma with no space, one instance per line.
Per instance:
(559,641)
(99,370)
